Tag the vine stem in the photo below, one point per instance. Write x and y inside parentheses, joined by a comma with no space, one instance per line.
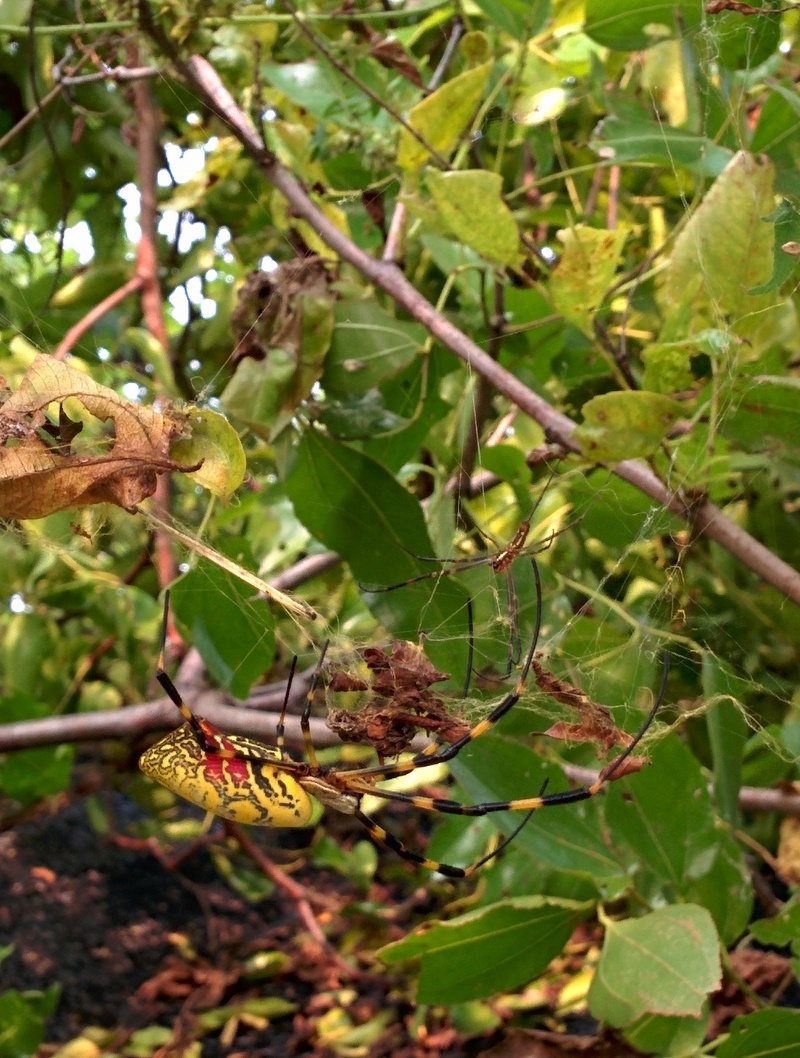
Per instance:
(705,517)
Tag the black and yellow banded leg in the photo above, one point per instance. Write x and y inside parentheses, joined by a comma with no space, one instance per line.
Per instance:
(389,841)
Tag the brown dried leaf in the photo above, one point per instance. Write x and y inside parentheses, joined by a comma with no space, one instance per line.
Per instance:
(596,722)
(406,667)
(390,53)
(39,470)
(269,311)
(403,702)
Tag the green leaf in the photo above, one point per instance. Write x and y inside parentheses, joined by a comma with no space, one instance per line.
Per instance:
(742,43)
(353,505)
(629,25)
(22,1018)
(508,462)
(726,890)
(215,441)
(655,1034)
(727,730)
(781,929)
(368,346)
(521,19)
(566,837)
(668,364)
(442,117)
(233,631)
(471,205)
(31,774)
(786,220)
(359,416)
(634,139)
(767,415)
(585,272)
(490,950)
(625,425)
(14,12)
(776,133)
(315,86)
(725,250)
(763,1034)
(676,846)
(665,963)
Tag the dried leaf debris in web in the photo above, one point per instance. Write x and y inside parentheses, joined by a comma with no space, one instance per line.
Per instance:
(596,723)
(403,702)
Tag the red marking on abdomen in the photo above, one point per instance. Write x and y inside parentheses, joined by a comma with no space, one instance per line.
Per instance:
(220,770)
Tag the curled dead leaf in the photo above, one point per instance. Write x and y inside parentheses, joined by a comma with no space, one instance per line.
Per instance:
(596,723)
(103,448)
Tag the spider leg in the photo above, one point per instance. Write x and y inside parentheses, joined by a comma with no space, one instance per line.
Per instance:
(462,563)
(279,729)
(305,716)
(389,841)
(203,732)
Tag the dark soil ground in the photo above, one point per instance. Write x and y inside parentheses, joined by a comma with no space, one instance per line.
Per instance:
(133,944)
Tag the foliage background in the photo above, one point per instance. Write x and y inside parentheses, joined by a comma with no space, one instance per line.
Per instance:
(603,199)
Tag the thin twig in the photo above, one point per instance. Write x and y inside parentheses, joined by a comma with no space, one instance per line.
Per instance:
(95,314)
(118,73)
(319,45)
(300,897)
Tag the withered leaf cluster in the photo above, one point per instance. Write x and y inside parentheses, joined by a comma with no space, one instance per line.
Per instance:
(402,703)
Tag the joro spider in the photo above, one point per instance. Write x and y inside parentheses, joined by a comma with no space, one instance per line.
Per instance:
(250,782)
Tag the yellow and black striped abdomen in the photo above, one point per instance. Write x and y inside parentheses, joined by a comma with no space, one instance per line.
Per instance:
(246,791)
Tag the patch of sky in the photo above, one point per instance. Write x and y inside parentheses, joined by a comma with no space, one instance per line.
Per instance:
(79,239)
(130,211)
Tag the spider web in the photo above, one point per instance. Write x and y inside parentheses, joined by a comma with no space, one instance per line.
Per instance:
(620,581)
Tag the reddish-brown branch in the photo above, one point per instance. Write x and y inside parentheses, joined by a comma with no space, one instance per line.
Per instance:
(95,314)
(705,517)
(147,140)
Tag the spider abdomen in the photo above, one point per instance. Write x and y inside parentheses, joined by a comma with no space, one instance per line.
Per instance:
(241,779)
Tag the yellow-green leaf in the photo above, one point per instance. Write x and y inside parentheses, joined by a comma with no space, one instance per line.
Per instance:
(585,272)
(215,441)
(471,205)
(442,117)
(724,251)
(625,425)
